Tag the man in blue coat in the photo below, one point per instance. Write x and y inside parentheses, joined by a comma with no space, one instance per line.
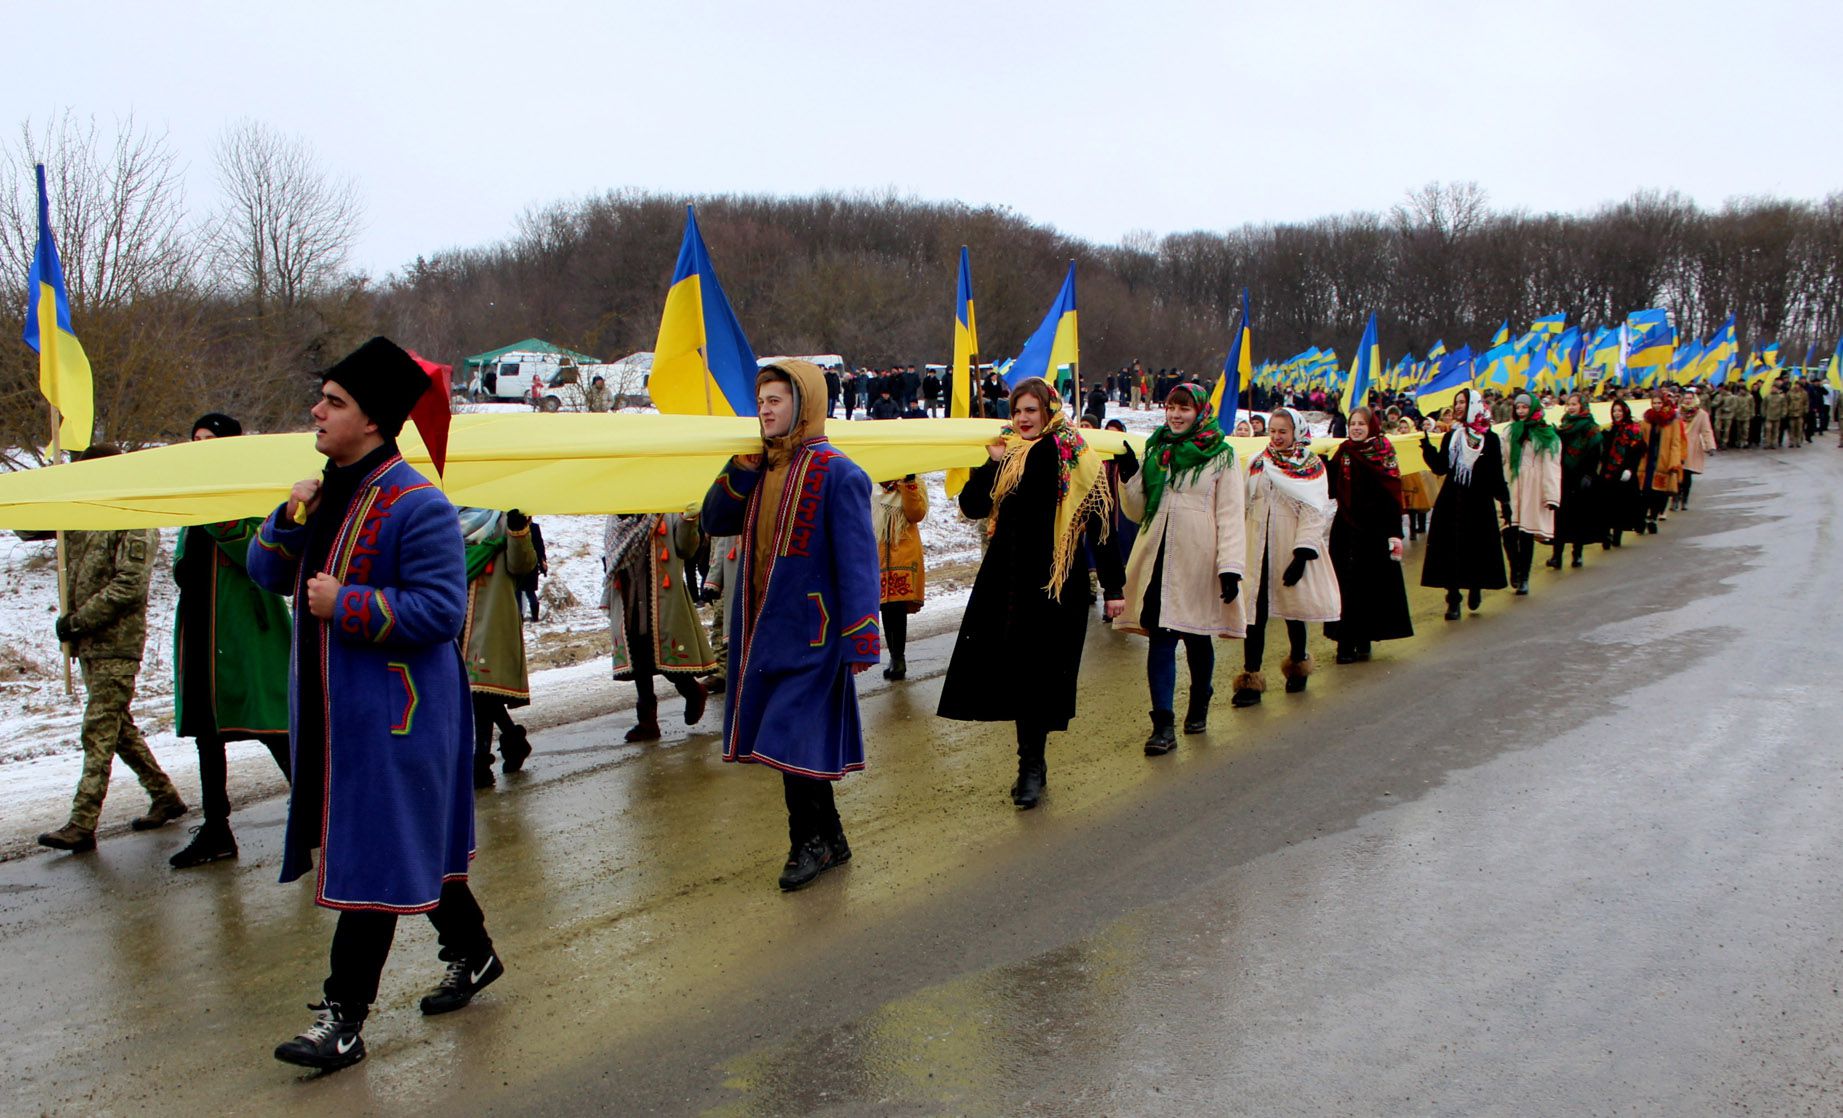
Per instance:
(804,612)
(379,715)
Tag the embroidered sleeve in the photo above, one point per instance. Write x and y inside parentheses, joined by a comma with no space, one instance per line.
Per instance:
(274,553)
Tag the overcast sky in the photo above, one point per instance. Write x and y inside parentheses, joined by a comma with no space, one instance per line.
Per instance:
(1098,118)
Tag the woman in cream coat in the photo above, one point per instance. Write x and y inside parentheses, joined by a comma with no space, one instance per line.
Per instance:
(1289,522)
(1183,581)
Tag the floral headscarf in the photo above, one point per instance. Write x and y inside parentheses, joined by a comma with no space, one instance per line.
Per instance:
(1176,459)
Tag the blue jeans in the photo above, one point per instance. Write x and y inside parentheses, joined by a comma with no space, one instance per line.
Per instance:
(1161,665)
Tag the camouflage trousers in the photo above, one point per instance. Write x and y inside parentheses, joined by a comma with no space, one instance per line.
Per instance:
(109,730)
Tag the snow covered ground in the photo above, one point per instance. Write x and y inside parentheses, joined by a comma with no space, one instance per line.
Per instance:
(40,751)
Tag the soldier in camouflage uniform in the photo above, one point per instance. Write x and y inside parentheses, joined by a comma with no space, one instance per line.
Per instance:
(107,628)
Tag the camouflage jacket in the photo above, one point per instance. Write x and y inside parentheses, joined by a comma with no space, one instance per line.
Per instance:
(109,575)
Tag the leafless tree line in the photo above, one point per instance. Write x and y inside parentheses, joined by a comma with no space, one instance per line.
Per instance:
(231,309)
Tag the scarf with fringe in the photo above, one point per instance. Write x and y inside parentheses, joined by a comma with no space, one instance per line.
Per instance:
(1078,494)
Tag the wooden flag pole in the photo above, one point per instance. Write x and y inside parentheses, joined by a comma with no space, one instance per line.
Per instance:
(57,453)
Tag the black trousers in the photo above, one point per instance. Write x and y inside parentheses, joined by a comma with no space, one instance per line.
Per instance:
(645,665)
(490,711)
(1522,556)
(528,595)
(214,771)
(811,810)
(361,943)
(896,629)
(1254,646)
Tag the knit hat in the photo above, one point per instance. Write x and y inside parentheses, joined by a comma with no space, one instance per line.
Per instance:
(219,424)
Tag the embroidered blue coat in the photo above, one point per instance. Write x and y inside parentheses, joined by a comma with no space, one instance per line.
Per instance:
(395,732)
(791,701)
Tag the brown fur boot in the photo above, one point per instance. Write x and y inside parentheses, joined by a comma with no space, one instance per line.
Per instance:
(1296,672)
(1248,687)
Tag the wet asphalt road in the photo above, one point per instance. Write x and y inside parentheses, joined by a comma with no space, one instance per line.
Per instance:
(1574,855)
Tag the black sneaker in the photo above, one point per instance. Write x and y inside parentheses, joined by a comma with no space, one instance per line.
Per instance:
(461,983)
(211,842)
(330,1043)
(841,850)
(805,862)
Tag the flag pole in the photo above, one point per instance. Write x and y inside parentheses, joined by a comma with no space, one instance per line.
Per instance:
(57,453)
(975,392)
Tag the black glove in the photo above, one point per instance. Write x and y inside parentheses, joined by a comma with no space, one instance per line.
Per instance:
(1231,586)
(517,521)
(1586,481)
(1128,462)
(1427,446)
(710,594)
(65,633)
(1296,569)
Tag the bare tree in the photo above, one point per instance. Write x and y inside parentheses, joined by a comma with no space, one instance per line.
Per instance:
(286,226)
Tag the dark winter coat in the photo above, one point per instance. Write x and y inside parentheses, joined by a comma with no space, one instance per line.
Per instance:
(1582,516)
(231,639)
(1019,650)
(1369,511)
(1464,550)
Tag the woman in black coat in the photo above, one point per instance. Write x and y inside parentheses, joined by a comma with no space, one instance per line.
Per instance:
(1464,551)
(1622,458)
(1366,543)
(1579,521)
(1019,650)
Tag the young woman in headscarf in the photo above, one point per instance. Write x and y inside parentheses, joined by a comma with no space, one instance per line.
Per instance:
(1366,546)
(1534,457)
(1464,552)
(1622,456)
(1698,440)
(1579,521)
(1664,451)
(1288,520)
(1042,494)
(1417,489)
(899,508)
(1184,578)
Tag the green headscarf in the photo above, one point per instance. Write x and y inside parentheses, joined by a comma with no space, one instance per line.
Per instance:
(1180,458)
(1535,429)
(483,533)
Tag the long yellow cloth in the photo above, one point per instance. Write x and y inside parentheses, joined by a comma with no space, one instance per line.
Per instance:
(553,464)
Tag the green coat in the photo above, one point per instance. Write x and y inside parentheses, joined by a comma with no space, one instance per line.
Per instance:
(251,637)
(495,634)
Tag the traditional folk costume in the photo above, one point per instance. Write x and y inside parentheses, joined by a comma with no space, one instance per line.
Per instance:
(1018,654)
(379,713)
(231,642)
(1366,485)
(1621,460)
(899,507)
(1183,580)
(1581,519)
(500,553)
(1665,449)
(1463,548)
(1533,454)
(651,614)
(804,610)
(1289,515)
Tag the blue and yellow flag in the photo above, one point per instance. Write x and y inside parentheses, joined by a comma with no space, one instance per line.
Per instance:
(1550,324)
(1833,373)
(1651,342)
(1054,345)
(1451,373)
(1363,369)
(1721,360)
(1237,370)
(1502,336)
(63,368)
(702,363)
(962,390)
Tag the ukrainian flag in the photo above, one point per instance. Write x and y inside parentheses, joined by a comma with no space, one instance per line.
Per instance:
(702,363)
(1720,360)
(965,353)
(1834,373)
(1549,324)
(1054,345)
(1237,371)
(1502,336)
(1453,372)
(1363,369)
(1652,341)
(63,368)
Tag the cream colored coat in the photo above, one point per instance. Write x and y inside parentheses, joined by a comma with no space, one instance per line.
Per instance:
(1535,489)
(1279,525)
(1701,440)
(1200,524)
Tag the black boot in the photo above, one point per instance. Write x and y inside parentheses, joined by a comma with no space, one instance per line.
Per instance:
(1346,652)
(805,862)
(1032,779)
(898,669)
(514,747)
(1578,561)
(1554,563)
(211,842)
(1474,598)
(1196,715)
(483,771)
(330,1043)
(1163,740)
(696,699)
(1452,605)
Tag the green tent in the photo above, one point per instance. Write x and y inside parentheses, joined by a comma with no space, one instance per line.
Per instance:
(529,345)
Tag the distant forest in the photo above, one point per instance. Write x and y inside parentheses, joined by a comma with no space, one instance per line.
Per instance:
(233,310)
